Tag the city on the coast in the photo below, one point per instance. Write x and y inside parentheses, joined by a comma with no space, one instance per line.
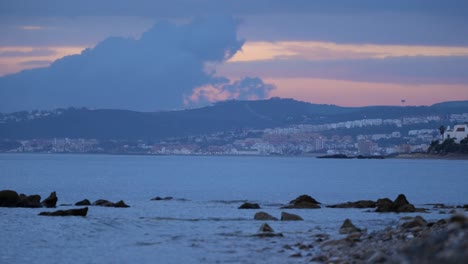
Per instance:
(368,137)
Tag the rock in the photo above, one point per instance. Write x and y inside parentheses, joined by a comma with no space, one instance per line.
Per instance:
(400,205)
(167,198)
(290,217)
(249,206)
(303,202)
(334,156)
(347,227)
(50,201)
(71,212)
(377,257)
(459,218)
(83,202)
(120,204)
(102,202)
(304,246)
(8,198)
(264,217)
(354,236)
(384,205)
(265,228)
(357,204)
(31,201)
(296,255)
(417,221)
(320,259)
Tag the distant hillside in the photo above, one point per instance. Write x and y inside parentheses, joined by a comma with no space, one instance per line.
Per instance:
(223,116)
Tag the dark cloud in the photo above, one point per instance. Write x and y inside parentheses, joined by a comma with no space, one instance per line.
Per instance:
(431,22)
(154,72)
(182,8)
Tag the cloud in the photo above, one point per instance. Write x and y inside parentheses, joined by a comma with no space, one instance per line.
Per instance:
(247,88)
(174,8)
(151,73)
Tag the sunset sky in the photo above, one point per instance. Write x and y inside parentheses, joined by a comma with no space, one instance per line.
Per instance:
(163,55)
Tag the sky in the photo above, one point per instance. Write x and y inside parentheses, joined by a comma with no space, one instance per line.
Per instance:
(165,55)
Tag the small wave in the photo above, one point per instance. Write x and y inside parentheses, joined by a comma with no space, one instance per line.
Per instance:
(142,244)
(214,219)
(228,201)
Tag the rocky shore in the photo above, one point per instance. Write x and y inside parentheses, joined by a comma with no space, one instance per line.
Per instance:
(413,240)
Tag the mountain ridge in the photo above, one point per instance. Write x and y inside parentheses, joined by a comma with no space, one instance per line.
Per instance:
(222,116)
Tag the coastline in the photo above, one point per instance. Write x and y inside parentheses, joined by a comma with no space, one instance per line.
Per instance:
(450,156)
(409,156)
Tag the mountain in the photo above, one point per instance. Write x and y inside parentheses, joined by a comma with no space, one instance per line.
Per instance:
(223,116)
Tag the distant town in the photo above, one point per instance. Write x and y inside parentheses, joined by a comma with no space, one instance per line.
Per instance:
(367,137)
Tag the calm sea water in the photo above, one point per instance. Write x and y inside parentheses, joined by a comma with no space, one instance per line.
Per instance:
(203,224)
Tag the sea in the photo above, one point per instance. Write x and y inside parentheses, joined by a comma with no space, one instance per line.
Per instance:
(202,223)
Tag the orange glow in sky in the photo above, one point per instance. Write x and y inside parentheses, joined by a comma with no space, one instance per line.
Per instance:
(348,93)
(315,50)
(15,63)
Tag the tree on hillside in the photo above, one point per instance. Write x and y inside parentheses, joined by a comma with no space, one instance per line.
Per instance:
(442,130)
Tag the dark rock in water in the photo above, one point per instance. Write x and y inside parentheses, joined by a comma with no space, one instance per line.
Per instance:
(400,205)
(357,204)
(384,205)
(31,201)
(290,217)
(84,202)
(348,227)
(9,198)
(370,157)
(407,208)
(335,156)
(264,217)
(267,234)
(249,206)
(71,212)
(296,255)
(157,198)
(266,228)
(417,221)
(50,201)
(303,202)
(266,231)
(119,204)
(102,202)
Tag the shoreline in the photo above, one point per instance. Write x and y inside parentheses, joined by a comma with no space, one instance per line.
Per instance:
(410,156)
(450,156)
(412,240)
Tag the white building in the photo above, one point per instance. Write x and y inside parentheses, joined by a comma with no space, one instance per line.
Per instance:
(458,132)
